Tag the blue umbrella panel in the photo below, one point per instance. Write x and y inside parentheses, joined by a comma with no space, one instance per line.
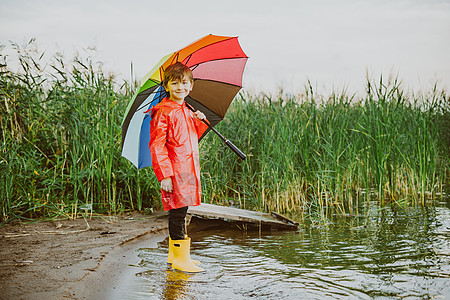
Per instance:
(136,147)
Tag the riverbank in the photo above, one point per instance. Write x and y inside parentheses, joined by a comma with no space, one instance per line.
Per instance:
(71,259)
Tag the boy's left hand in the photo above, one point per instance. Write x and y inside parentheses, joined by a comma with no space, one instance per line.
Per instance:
(199,115)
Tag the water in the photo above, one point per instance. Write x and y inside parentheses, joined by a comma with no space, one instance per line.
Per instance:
(382,254)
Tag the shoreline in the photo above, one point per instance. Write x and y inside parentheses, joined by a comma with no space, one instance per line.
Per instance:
(72,259)
(113,271)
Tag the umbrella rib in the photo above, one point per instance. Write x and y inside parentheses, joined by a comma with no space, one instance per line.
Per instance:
(193,67)
(189,58)
(174,59)
(224,58)
(155,98)
(221,82)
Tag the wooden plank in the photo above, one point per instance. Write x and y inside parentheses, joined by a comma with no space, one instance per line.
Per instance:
(211,211)
(284,219)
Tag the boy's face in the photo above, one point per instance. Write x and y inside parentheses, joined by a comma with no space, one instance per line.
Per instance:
(178,90)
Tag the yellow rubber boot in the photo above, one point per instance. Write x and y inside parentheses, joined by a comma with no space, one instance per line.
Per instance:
(170,255)
(182,257)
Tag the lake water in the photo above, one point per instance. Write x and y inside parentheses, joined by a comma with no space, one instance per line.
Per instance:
(383,253)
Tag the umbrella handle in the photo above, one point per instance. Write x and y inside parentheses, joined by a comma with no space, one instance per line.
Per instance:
(227,142)
(236,149)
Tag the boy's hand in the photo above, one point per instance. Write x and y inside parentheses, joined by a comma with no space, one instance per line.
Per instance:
(199,115)
(166,184)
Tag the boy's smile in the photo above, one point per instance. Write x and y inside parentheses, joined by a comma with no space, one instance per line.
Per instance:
(178,90)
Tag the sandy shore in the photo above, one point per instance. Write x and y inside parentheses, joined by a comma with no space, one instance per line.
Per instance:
(72,259)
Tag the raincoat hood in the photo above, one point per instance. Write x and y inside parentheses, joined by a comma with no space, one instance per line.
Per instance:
(166,103)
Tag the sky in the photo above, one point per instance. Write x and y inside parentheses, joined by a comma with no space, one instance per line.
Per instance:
(333,44)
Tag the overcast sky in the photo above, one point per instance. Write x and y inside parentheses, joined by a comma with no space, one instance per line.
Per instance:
(332,43)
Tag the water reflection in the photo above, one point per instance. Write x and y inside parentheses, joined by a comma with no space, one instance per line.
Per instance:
(384,253)
(176,285)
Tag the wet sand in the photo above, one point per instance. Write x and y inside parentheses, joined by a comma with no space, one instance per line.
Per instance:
(73,259)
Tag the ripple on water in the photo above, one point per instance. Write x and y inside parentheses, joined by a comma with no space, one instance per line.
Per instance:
(396,258)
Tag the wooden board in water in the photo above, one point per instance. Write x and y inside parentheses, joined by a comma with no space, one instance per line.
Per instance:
(211,211)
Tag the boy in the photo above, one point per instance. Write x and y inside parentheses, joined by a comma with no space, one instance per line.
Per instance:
(174,133)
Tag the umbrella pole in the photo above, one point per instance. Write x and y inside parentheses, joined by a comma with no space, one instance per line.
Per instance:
(227,142)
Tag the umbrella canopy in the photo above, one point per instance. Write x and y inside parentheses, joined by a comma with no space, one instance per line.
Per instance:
(217,64)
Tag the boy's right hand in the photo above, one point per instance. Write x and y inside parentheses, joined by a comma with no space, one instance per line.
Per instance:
(199,115)
(166,184)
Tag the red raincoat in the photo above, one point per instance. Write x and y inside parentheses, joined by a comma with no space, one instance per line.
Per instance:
(174,134)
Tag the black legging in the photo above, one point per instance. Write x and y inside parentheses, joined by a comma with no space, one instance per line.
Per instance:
(177,223)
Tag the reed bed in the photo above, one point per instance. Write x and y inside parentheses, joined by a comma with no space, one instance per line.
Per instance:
(313,153)
(60,152)
(61,143)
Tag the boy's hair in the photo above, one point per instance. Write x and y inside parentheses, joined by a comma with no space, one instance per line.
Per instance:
(177,72)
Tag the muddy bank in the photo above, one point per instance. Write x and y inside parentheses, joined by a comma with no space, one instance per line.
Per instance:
(71,259)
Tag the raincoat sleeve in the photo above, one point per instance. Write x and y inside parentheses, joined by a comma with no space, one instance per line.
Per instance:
(161,162)
(200,127)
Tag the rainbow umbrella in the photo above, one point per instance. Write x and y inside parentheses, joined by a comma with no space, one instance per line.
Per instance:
(217,63)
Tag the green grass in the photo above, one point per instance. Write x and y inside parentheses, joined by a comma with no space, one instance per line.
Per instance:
(61,137)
